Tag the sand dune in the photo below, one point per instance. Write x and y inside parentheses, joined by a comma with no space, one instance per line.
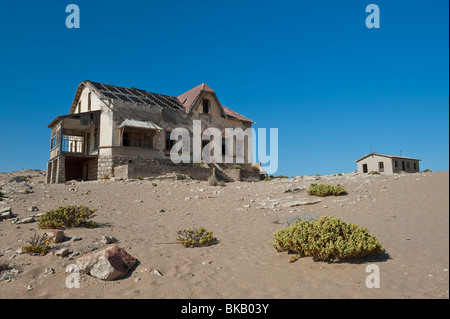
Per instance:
(407,213)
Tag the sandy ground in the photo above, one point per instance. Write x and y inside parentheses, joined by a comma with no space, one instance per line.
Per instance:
(409,215)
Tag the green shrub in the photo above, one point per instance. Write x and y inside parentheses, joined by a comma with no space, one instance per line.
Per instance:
(374,173)
(323,190)
(195,237)
(213,181)
(106,176)
(254,168)
(268,179)
(236,166)
(139,177)
(339,174)
(199,165)
(327,238)
(37,245)
(427,170)
(67,217)
(154,184)
(18,179)
(317,175)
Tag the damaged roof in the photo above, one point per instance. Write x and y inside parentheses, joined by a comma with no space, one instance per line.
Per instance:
(184,101)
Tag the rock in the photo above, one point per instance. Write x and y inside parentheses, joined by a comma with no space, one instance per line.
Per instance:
(155,271)
(19,251)
(63,252)
(302,202)
(107,264)
(49,271)
(57,236)
(161,210)
(33,209)
(27,220)
(5,212)
(108,240)
(75,238)
(138,201)
(7,276)
(29,288)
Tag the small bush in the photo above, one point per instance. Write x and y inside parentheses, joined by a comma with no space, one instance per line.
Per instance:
(68,217)
(139,177)
(18,179)
(427,170)
(154,184)
(41,182)
(374,173)
(267,179)
(327,238)
(213,181)
(199,165)
(254,168)
(106,176)
(236,166)
(195,237)
(339,174)
(317,175)
(37,245)
(323,190)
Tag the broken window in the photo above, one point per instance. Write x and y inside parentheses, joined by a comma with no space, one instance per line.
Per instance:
(89,101)
(169,142)
(206,106)
(139,139)
(72,144)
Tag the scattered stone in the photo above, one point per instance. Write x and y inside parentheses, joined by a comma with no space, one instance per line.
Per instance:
(33,209)
(7,276)
(137,279)
(29,288)
(207,262)
(161,210)
(138,201)
(63,252)
(108,240)
(155,271)
(49,271)
(302,202)
(5,212)
(27,220)
(107,264)
(75,238)
(57,236)
(19,251)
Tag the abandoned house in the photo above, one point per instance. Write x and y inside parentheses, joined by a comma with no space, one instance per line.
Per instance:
(382,163)
(118,131)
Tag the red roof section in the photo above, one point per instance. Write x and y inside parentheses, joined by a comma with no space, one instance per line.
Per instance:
(188,98)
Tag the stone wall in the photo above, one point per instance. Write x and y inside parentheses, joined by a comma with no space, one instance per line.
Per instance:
(133,171)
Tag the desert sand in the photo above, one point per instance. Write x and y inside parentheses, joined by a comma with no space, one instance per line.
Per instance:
(408,214)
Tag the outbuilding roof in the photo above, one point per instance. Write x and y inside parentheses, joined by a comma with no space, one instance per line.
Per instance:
(388,156)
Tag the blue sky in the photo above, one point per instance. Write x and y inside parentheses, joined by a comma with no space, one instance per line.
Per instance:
(312,69)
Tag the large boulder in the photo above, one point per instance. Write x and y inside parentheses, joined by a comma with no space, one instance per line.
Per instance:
(107,264)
